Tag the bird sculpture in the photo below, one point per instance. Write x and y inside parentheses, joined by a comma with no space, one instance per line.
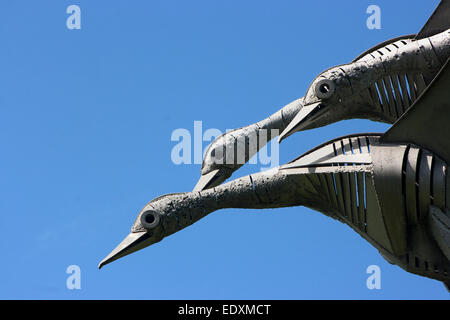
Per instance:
(379,85)
(392,188)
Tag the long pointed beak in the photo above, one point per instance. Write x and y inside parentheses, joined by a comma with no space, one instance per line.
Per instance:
(133,242)
(301,120)
(210,180)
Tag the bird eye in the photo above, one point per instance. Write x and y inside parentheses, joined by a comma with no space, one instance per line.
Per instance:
(325,89)
(150,219)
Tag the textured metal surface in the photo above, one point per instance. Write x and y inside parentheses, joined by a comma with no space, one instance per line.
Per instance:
(388,170)
(427,122)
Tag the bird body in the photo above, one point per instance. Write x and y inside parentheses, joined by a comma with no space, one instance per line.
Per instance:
(389,194)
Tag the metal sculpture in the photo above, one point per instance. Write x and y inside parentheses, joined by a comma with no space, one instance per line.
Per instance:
(393,188)
(380,85)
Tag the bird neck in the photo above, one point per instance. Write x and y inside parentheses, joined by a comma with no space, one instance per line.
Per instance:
(280,119)
(268,189)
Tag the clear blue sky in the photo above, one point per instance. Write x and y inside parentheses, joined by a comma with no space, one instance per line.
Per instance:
(85,123)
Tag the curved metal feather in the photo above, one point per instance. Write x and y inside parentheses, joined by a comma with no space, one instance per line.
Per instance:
(426,123)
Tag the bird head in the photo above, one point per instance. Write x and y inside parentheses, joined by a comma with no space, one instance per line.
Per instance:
(160,218)
(219,160)
(337,94)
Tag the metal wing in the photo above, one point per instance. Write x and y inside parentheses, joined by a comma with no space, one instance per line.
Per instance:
(438,22)
(427,122)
